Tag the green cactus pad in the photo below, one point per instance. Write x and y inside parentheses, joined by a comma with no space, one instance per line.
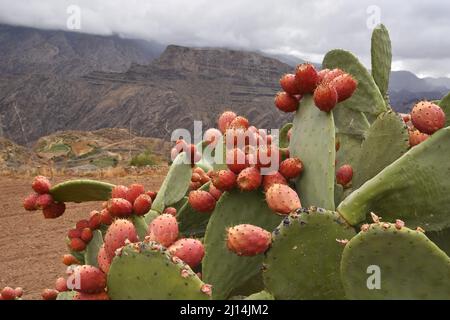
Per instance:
(367,97)
(304,260)
(441,239)
(313,141)
(223,269)
(386,141)
(175,185)
(91,252)
(338,194)
(381,58)
(149,216)
(284,141)
(410,266)
(145,271)
(82,190)
(207,160)
(141,226)
(262,295)
(415,188)
(350,122)
(66,295)
(349,151)
(445,105)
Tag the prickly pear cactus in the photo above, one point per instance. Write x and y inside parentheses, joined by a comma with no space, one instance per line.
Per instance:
(284,140)
(141,226)
(145,271)
(262,295)
(82,190)
(445,105)
(381,58)
(90,255)
(66,295)
(304,260)
(393,262)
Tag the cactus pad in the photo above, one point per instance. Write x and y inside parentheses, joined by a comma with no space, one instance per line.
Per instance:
(445,105)
(262,295)
(415,188)
(141,226)
(313,141)
(91,252)
(284,141)
(410,266)
(145,271)
(66,295)
(381,58)
(304,260)
(82,190)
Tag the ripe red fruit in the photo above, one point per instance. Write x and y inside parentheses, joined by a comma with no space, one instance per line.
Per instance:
(118,232)
(41,185)
(106,217)
(54,210)
(119,191)
(291,168)
(266,155)
(306,77)
(321,74)
(95,220)
(90,279)
(344,175)
(104,262)
(44,200)
(8,293)
(19,292)
(119,207)
(76,244)
(194,185)
(69,260)
(248,240)
(416,137)
(325,97)
(193,155)
(427,117)
(289,84)
(195,177)
(134,191)
(152,194)
(164,229)
(225,120)
(103,296)
(345,86)
(86,235)
(49,294)
(216,193)
(170,210)
(271,179)
(282,199)
(285,102)
(331,74)
(29,203)
(212,136)
(74,233)
(249,179)
(81,224)
(142,204)
(239,123)
(61,284)
(191,251)
(236,160)
(204,178)
(224,180)
(201,201)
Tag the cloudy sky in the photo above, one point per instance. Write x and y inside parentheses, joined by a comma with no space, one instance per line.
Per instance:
(419,29)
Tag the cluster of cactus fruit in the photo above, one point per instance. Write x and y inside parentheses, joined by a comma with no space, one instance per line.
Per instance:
(309,229)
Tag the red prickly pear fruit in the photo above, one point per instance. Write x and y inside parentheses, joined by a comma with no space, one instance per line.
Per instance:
(44,200)
(106,217)
(91,296)
(69,260)
(152,194)
(193,155)
(285,102)
(248,240)
(344,175)
(196,177)
(331,75)
(216,193)
(416,137)
(291,168)
(345,86)
(239,123)
(41,185)
(249,179)
(142,204)
(74,233)
(86,235)
(325,97)
(54,210)
(164,229)
(405,117)
(282,199)
(191,251)
(61,284)
(8,293)
(19,292)
(90,279)
(224,180)
(95,220)
(236,160)
(81,224)
(427,117)
(49,294)
(321,74)
(306,77)
(225,120)
(119,191)
(76,244)
(201,201)
(119,207)
(104,262)
(29,203)
(118,232)
(212,136)
(170,210)
(289,84)
(194,185)
(134,191)
(270,180)
(204,178)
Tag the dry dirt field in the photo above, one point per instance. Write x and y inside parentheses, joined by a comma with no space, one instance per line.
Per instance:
(31,247)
